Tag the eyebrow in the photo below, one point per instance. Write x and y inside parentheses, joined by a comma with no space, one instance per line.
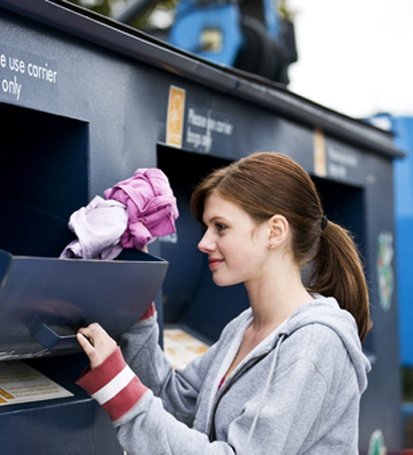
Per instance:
(215,218)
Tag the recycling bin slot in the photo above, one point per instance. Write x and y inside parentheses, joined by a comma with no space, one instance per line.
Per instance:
(44,299)
(43,180)
(41,297)
(30,231)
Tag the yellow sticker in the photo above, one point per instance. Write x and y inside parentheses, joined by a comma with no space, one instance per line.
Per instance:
(176,115)
(5,394)
(320,153)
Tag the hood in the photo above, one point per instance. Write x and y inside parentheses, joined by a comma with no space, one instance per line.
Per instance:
(326,311)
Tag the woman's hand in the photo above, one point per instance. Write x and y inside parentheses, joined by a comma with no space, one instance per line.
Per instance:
(96,343)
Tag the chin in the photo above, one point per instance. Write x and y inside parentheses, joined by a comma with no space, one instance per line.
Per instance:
(222,282)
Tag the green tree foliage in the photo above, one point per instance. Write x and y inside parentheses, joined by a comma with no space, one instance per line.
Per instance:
(143,21)
(104,7)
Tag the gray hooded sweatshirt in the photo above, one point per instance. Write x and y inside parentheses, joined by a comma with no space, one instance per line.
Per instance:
(298,392)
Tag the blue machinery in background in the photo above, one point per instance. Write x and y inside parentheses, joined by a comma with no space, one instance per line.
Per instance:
(251,35)
(402,128)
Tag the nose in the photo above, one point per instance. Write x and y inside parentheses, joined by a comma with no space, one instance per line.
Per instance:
(207,243)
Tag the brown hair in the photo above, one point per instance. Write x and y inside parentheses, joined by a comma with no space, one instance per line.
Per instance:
(269,183)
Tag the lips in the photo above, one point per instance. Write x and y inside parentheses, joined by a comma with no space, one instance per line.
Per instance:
(214,263)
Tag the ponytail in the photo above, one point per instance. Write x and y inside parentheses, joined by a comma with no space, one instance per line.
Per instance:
(337,271)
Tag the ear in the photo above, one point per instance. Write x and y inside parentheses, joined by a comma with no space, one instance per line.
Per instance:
(278,231)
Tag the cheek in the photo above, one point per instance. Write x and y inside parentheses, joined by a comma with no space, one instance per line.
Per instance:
(242,262)
(242,255)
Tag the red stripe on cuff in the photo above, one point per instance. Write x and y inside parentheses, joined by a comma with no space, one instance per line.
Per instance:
(97,378)
(125,399)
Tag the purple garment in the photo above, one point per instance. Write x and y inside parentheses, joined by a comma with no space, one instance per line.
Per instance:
(150,204)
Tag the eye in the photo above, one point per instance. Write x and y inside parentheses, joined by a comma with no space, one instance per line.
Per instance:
(220,227)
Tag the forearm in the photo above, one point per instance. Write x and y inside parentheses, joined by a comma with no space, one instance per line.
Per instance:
(143,354)
(141,350)
(113,385)
(149,429)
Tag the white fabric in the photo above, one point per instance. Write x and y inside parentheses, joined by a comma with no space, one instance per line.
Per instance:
(112,388)
(98,228)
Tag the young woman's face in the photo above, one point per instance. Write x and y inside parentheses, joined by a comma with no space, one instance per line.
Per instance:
(235,244)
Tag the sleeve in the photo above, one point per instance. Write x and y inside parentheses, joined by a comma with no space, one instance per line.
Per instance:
(143,424)
(178,389)
(113,385)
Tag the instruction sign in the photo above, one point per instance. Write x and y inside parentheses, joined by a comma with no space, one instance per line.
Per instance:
(206,128)
(20,383)
(26,77)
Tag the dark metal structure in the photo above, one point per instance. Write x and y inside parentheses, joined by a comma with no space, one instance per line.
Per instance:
(91,100)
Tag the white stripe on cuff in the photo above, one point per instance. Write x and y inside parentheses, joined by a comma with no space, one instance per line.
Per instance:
(113,387)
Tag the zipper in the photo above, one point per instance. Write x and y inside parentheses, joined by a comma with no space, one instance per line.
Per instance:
(226,386)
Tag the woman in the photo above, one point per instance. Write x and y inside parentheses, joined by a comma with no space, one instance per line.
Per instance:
(287,374)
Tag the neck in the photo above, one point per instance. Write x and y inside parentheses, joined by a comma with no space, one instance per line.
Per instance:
(273,301)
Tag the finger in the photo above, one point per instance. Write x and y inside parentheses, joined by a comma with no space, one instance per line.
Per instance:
(87,334)
(95,330)
(85,344)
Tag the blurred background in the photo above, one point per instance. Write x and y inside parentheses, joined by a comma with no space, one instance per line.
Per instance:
(352,55)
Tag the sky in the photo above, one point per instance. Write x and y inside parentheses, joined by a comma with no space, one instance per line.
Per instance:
(354,56)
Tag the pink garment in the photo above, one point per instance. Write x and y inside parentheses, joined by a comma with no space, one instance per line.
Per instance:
(150,204)
(98,228)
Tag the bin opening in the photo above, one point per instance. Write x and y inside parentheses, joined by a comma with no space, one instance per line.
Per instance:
(43,179)
(45,299)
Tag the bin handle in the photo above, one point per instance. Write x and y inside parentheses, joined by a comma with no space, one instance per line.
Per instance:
(49,337)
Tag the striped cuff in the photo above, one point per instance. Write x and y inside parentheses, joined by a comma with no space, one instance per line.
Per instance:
(113,385)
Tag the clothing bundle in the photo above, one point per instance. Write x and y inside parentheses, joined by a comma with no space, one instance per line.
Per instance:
(135,212)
